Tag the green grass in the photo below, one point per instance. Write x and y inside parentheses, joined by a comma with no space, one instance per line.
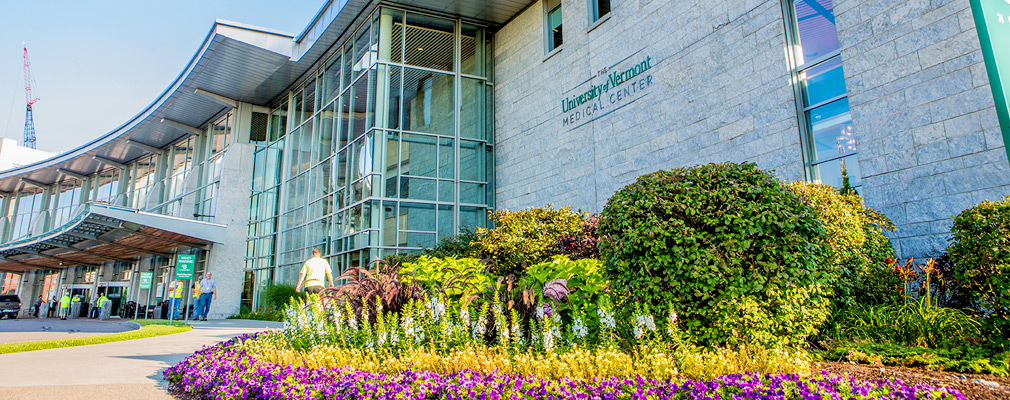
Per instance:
(148,328)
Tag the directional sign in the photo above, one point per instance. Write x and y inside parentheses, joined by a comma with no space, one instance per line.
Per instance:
(145,279)
(992,21)
(184,266)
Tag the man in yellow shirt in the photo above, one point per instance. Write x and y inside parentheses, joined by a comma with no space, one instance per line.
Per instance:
(65,305)
(175,296)
(313,272)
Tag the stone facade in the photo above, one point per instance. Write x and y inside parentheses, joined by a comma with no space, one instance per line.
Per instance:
(719,91)
(929,142)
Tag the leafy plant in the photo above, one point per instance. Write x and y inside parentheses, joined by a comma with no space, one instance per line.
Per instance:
(461,245)
(584,244)
(521,238)
(856,246)
(731,246)
(980,250)
(279,295)
(973,359)
(449,275)
(583,280)
(917,322)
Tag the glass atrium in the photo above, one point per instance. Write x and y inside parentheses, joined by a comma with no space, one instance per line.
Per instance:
(383,149)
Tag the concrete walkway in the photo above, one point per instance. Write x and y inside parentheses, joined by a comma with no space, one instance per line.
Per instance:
(121,370)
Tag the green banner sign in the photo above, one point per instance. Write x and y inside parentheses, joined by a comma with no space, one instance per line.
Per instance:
(184,266)
(145,279)
(992,20)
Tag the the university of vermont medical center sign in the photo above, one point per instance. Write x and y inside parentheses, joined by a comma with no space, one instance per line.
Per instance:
(992,20)
(609,90)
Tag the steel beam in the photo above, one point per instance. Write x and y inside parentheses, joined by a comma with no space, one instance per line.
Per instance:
(72,174)
(110,258)
(146,147)
(5,259)
(217,98)
(37,184)
(182,127)
(61,260)
(109,162)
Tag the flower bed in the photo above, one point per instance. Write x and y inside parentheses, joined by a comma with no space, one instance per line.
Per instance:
(224,371)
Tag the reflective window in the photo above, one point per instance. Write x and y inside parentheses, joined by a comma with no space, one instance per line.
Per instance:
(826,126)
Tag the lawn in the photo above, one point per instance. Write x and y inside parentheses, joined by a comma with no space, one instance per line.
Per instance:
(148,328)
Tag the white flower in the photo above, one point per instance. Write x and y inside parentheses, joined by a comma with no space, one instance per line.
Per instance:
(671,323)
(650,323)
(464,316)
(540,311)
(606,319)
(638,331)
(548,340)
(579,328)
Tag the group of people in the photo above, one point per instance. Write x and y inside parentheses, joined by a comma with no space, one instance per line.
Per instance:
(204,291)
(314,274)
(62,306)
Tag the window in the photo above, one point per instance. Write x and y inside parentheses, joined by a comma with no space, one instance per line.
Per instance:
(599,8)
(823,106)
(554,31)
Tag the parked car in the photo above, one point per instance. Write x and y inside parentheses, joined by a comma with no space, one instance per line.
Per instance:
(10,305)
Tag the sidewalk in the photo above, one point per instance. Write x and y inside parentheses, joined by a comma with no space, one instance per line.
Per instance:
(120,370)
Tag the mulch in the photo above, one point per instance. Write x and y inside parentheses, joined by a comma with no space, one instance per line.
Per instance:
(965,383)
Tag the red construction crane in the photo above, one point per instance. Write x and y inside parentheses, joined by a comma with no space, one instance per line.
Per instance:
(29,100)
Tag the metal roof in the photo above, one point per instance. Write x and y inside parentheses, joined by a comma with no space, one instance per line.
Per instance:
(237,62)
(101,233)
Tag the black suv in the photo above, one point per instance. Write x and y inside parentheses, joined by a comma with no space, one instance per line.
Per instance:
(10,305)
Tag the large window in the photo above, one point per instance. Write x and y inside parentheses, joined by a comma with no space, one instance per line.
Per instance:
(825,124)
(388,149)
(555,35)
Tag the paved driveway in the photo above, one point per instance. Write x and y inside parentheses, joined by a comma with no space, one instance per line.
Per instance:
(120,370)
(25,329)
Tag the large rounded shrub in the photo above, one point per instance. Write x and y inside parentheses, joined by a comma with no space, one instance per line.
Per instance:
(856,247)
(521,238)
(980,251)
(727,245)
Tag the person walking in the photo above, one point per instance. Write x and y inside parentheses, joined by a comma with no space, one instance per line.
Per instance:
(194,288)
(175,294)
(208,292)
(65,305)
(53,307)
(313,272)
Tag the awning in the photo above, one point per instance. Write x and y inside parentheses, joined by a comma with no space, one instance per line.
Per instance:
(101,233)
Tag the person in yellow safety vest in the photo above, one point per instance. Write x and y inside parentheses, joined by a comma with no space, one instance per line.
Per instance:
(175,294)
(65,306)
(101,302)
(196,298)
(76,299)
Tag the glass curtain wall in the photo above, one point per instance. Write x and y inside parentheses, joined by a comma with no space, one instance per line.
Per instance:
(826,126)
(385,148)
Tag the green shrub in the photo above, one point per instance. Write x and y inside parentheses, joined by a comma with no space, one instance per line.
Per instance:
(521,238)
(916,322)
(449,275)
(266,315)
(857,248)
(980,251)
(279,295)
(584,244)
(461,245)
(728,245)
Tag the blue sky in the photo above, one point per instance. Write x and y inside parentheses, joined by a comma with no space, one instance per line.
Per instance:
(98,63)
